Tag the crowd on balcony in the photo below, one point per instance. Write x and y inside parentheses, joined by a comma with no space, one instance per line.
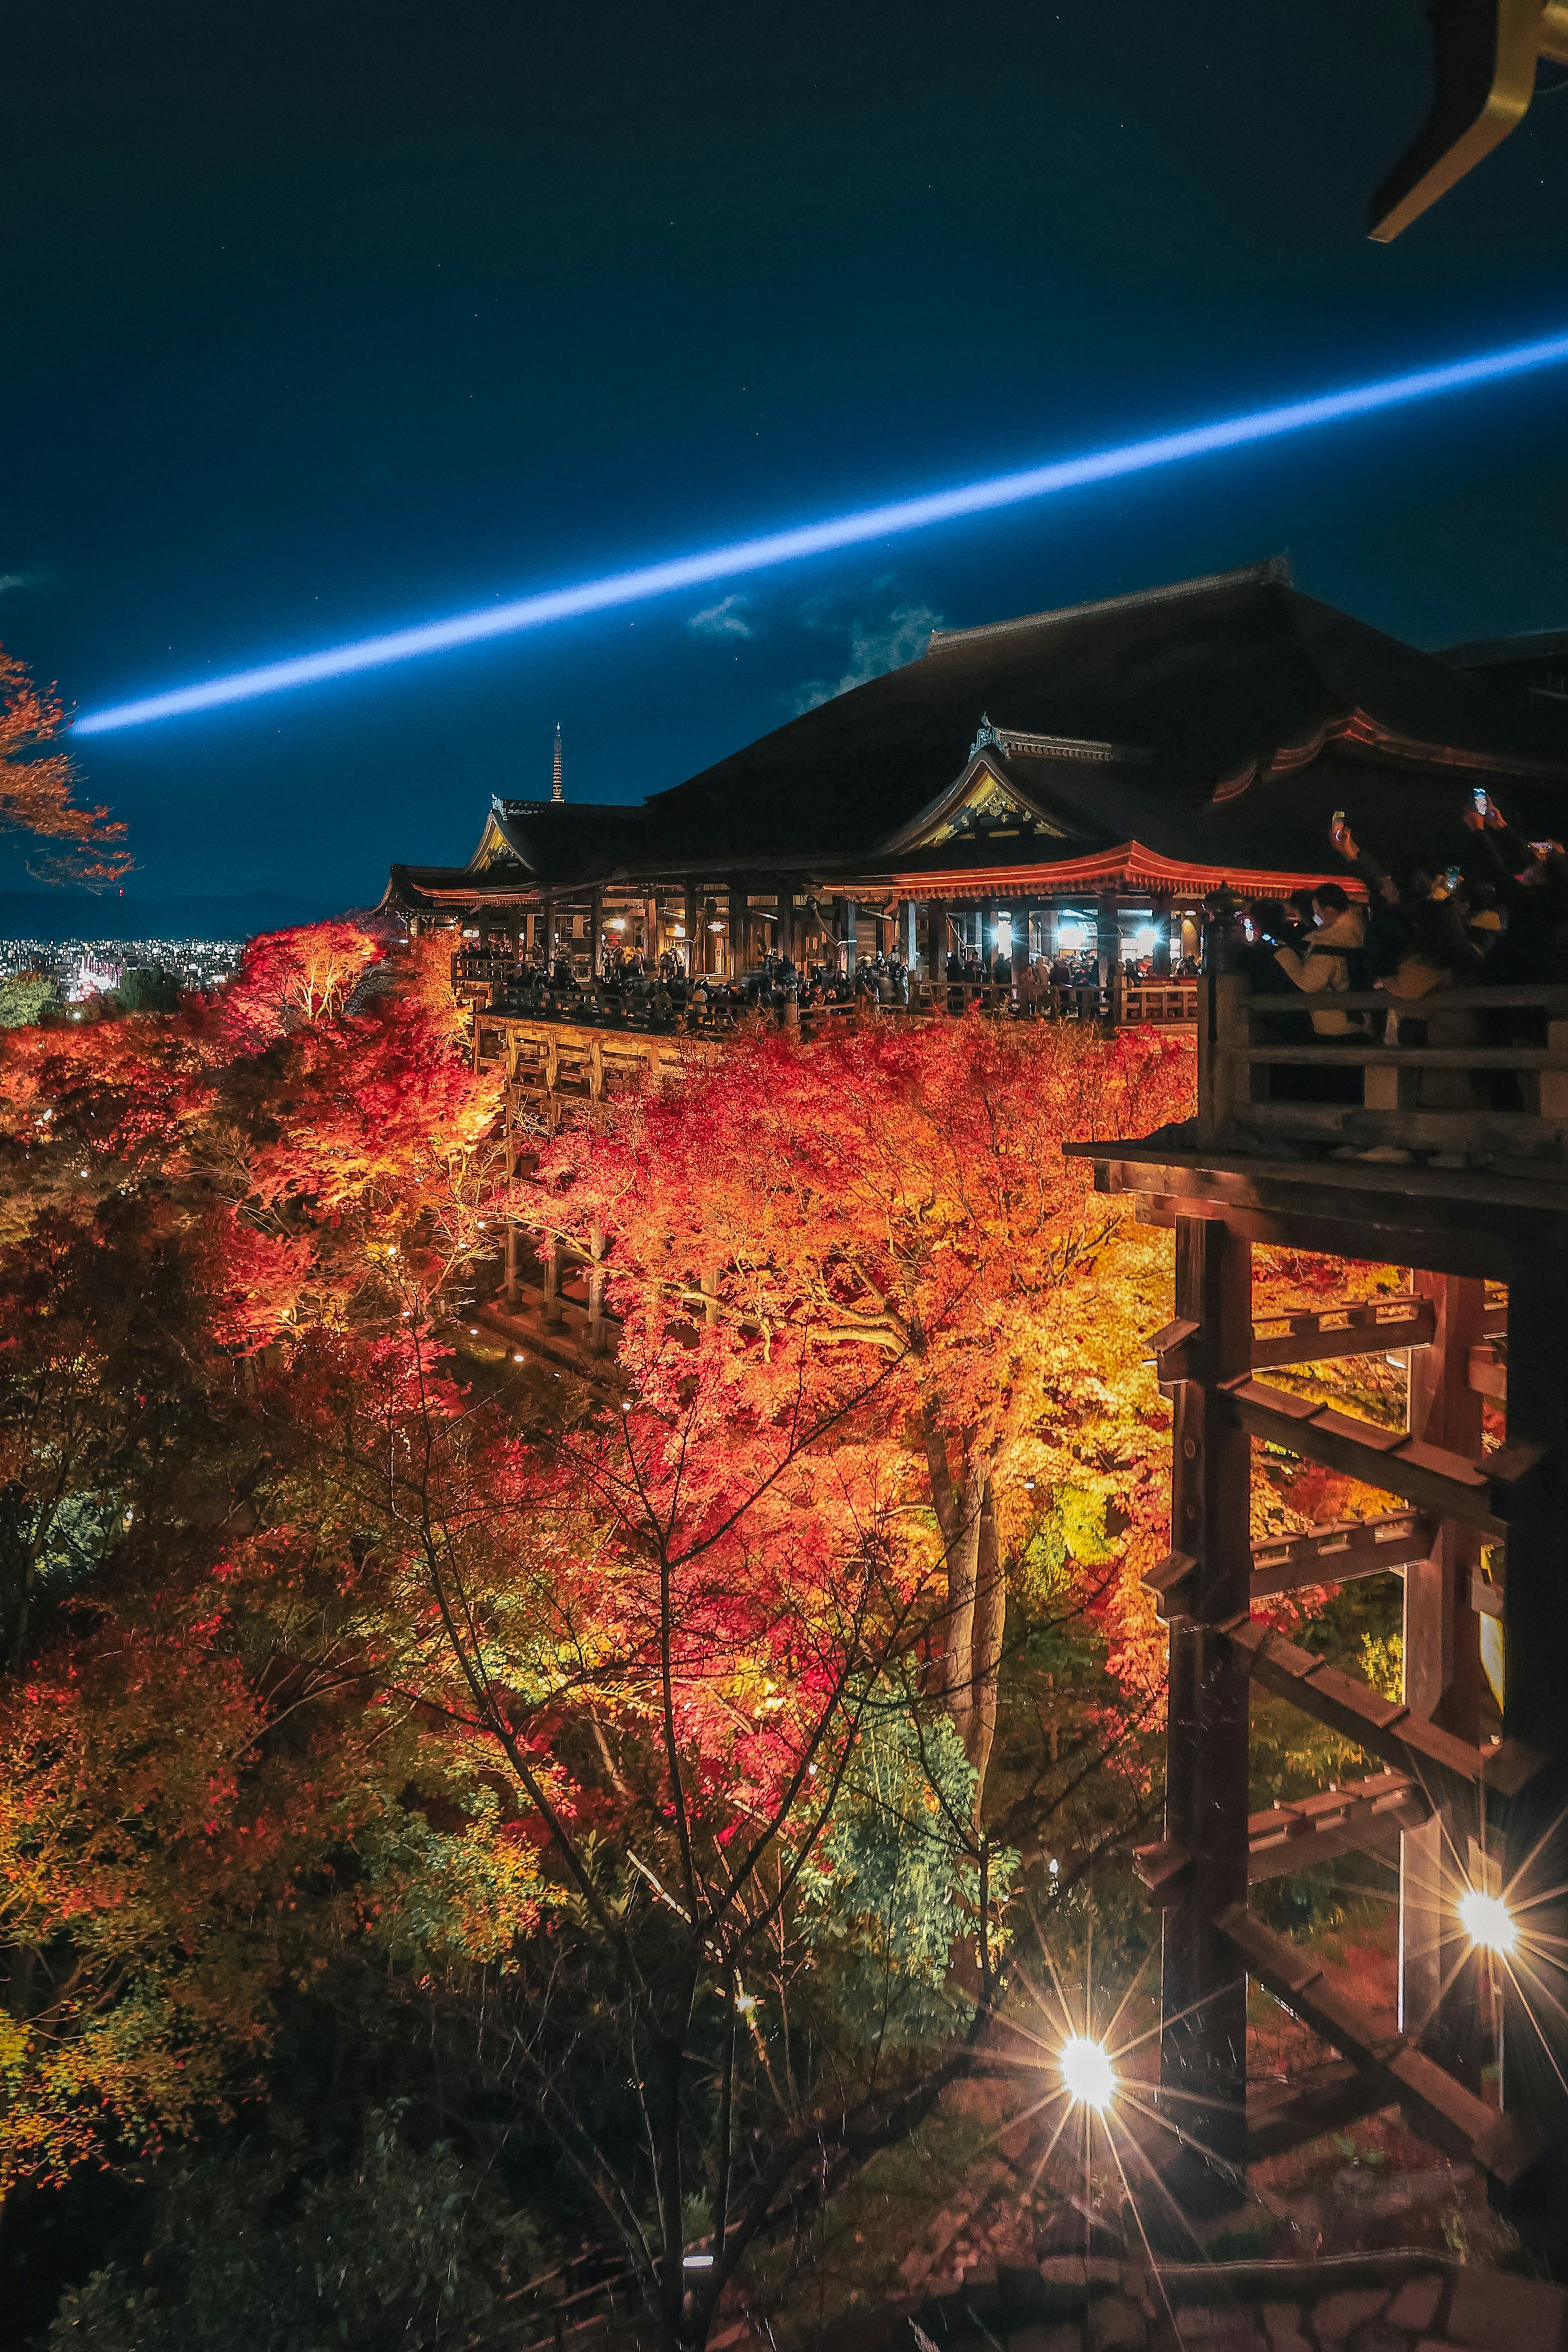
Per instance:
(1495,918)
(627,983)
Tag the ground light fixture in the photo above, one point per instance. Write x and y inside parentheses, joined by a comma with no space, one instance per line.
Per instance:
(1488,1922)
(1087,2072)
(866,525)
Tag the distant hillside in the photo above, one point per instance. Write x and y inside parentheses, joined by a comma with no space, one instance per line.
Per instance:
(88,915)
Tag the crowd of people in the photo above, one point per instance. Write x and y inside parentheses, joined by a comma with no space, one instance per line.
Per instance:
(664,993)
(1495,917)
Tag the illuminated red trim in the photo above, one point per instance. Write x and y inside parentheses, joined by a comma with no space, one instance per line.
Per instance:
(1128,866)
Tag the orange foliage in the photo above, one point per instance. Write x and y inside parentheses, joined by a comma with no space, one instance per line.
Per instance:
(37,783)
(889,1206)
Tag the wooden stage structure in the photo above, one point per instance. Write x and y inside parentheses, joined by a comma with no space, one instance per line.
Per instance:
(1475,1204)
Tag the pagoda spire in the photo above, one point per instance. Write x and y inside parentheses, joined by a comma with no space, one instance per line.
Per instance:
(555,791)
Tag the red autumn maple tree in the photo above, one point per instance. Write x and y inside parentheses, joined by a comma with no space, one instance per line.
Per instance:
(891,1196)
(38,788)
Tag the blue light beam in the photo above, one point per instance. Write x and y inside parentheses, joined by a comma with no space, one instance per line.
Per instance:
(748,555)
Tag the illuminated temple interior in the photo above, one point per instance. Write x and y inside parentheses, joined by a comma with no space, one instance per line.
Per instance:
(1068,779)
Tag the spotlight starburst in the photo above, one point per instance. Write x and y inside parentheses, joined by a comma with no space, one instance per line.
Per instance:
(1488,1922)
(1087,2073)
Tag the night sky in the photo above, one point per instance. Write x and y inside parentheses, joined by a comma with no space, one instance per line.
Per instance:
(325,318)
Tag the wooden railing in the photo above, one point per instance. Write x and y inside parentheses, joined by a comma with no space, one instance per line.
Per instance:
(1496,1086)
(497,985)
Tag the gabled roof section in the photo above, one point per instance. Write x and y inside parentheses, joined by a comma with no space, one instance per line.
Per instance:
(994,804)
(567,842)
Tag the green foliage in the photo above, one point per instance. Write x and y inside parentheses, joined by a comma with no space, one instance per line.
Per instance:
(897,1882)
(147,988)
(1071,1531)
(399,2247)
(1382,1663)
(25,998)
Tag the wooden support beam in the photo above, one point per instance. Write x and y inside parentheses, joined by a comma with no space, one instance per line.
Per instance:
(1405,1057)
(1382,1728)
(1454,2117)
(1284,2116)
(1203,2038)
(1488,1371)
(1335,1553)
(1291,1836)
(1367,1814)
(1442,1681)
(1401,1225)
(1340,1552)
(1479,1493)
(1533,1853)
(1356,1326)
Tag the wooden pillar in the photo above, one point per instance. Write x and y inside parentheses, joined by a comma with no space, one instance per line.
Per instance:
(597,1248)
(1162,935)
(1442,1683)
(549,932)
(1108,937)
(852,932)
(911,942)
(650,929)
(595,931)
(1535,1698)
(786,925)
(1203,2036)
(739,919)
(693,936)
(550,1254)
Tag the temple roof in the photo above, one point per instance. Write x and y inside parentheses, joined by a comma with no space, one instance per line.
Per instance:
(1217,723)
(545,839)
(1222,718)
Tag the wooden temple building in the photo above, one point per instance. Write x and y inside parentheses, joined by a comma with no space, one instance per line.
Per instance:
(1113,769)
(1084,777)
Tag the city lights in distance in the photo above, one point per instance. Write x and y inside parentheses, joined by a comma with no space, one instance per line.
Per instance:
(863,527)
(1488,1922)
(1086,2073)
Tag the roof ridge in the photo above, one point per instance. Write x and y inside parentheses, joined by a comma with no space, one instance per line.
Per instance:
(1272,568)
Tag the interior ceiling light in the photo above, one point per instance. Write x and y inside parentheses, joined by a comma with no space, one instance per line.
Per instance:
(740,557)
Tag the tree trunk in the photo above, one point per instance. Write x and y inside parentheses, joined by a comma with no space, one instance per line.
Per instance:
(666,2068)
(990,1610)
(958,1515)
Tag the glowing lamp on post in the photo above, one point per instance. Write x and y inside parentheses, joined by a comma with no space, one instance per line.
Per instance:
(1086,2073)
(1070,937)
(1488,1922)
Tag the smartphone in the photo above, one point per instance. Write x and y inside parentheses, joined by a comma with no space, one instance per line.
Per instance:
(1481,800)
(1337,819)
